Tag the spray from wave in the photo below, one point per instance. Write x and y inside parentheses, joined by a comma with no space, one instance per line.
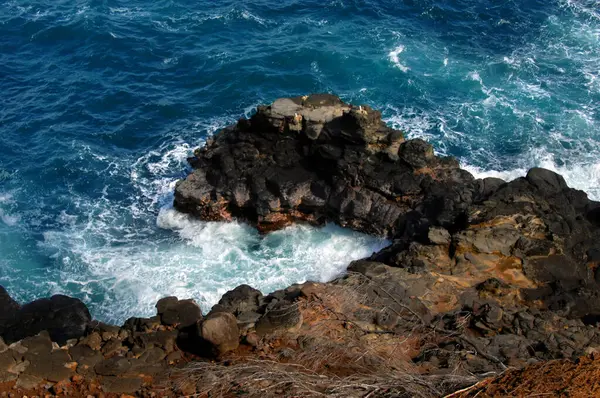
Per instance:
(123,256)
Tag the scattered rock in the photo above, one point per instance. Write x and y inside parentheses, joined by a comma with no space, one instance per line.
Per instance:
(85,357)
(282,316)
(182,313)
(142,324)
(127,385)
(219,333)
(28,382)
(93,340)
(111,347)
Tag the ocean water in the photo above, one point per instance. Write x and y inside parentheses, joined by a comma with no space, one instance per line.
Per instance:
(102,100)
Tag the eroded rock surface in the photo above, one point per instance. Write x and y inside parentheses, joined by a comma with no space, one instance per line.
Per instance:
(317,159)
(480,276)
(499,264)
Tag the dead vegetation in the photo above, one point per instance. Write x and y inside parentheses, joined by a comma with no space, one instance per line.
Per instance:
(341,350)
(262,378)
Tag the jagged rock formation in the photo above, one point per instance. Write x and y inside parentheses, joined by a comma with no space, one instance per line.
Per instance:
(481,275)
(503,263)
(317,159)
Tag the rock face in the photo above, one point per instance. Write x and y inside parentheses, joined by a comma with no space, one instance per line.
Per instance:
(317,159)
(499,264)
(10,308)
(481,275)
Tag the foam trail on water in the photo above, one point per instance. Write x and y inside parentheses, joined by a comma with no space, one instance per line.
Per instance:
(394,56)
(585,177)
(121,256)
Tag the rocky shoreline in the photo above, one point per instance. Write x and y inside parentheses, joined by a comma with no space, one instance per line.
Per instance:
(481,276)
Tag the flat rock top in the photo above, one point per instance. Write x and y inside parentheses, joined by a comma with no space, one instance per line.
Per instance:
(321,108)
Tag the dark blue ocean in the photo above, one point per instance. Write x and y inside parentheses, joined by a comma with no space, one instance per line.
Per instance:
(102,100)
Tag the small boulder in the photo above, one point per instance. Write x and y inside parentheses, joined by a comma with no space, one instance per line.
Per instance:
(111,347)
(93,340)
(241,299)
(439,236)
(417,153)
(282,316)
(164,303)
(85,357)
(220,333)
(106,331)
(165,339)
(181,313)
(142,324)
(546,181)
(63,317)
(114,366)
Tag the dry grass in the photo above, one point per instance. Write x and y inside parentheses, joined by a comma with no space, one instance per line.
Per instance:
(261,378)
(336,353)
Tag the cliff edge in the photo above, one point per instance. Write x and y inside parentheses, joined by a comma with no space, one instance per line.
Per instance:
(482,276)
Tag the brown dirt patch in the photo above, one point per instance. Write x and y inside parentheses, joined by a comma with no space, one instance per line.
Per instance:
(560,378)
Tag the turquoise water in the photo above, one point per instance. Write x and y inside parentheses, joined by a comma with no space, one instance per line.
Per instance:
(103,100)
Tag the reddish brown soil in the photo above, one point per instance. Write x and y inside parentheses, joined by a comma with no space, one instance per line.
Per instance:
(560,378)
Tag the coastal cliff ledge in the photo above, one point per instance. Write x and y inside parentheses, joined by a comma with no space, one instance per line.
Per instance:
(480,276)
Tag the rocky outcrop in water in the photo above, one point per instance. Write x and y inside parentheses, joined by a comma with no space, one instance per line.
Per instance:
(316,159)
(499,264)
(480,275)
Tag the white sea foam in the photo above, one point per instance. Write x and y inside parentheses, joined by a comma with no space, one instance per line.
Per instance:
(251,17)
(394,56)
(474,75)
(583,176)
(129,13)
(122,256)
(6,215)
(202,261)
(8,219)
(412,122)
(588,8)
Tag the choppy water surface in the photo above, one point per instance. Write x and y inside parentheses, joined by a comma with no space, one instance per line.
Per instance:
(103,100)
